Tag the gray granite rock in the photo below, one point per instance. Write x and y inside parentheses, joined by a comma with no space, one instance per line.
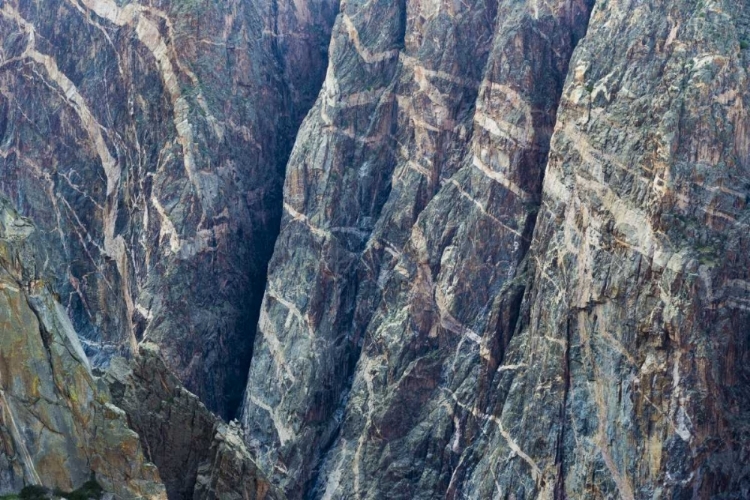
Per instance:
(512,259)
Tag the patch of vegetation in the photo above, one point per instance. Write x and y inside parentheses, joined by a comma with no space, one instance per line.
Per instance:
(33,492)
(91,489)
(744,44)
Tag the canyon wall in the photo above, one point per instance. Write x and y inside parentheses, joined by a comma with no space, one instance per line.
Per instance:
(512,258)
(421,248)
(148,142)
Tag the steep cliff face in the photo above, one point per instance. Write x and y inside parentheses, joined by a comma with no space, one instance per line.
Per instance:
(422,335)
(57,423)
(512,260)
(148,141)
(396,101)
(198,456)
(630,375)
(419,236)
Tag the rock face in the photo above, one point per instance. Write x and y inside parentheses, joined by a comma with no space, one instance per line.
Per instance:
(198,456)
(57,423)
(631,375)
(429,224)
(230,472)
(464,304)
(148,141)
(512,260)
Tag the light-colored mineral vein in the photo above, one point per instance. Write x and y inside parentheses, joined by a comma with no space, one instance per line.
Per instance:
(502,128)
(114,246)
(302,218)
(304,319)
(284,432)
(450,323)
(415,64)
(74,98)
(536,472)
(500,178)
(147,32)
(266,328)
(215,125)
(481,208)
(368,56)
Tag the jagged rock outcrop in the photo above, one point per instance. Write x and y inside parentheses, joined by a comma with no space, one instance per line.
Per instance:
(423,336)
(230,473)
(58,425)
(148,140)
(198,456)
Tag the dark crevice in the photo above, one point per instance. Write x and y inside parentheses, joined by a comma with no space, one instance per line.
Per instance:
(506,331)
(559,493)
(519,314)
(297,107)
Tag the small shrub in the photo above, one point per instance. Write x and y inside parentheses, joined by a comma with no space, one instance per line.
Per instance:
(744,45)
(89,490)
(33,492)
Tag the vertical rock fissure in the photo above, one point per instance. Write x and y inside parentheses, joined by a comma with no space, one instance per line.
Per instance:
(526,271)
(297,106)
(560,445)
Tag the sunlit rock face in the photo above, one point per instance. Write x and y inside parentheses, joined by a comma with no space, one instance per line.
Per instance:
(148,141)
(58,426)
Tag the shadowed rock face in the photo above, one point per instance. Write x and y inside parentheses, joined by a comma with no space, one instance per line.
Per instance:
(57,423)
(148,141)
(199,457)
(512,269)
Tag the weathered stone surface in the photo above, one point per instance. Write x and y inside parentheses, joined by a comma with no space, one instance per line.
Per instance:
(230,472)
(198,456)
(389,126)
(148,140)
(632,377)
(512,260)
(415,339)
(57,423)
